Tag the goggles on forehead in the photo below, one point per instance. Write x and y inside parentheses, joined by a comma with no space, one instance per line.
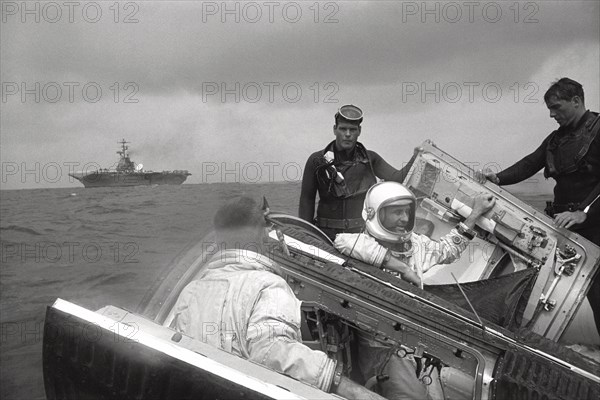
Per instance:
(350,112)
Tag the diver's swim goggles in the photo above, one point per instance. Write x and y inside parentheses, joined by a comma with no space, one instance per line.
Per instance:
(350,112)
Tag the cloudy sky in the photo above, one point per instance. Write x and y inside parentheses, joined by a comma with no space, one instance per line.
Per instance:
(245,91)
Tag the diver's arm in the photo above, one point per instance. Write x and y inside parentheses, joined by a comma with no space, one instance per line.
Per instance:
(569,218)
(385,171)
(308,193)
(524,168)
(592,201)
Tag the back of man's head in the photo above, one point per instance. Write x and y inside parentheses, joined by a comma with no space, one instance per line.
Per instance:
(238,213)
(239,223)
(564,89)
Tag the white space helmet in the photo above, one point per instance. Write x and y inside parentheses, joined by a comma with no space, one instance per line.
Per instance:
(382,195)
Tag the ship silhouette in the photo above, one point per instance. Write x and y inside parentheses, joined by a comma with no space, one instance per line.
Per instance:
(127,173)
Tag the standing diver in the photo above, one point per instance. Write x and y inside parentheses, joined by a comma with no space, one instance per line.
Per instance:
(342,173)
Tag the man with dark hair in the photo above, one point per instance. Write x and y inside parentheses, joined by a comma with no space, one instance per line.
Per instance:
(571,156)
(564,89)
(240,303)
(341,174)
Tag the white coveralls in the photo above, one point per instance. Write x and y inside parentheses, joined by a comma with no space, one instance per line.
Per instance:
(240,305)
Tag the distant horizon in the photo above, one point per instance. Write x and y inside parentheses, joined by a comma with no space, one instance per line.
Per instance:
(536,179)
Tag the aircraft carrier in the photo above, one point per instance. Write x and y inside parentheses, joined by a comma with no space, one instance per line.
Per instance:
(127,173)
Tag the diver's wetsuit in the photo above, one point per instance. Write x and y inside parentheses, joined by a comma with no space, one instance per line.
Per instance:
(337,213)
(577,181)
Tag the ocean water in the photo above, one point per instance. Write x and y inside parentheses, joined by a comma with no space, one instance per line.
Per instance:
(105,246)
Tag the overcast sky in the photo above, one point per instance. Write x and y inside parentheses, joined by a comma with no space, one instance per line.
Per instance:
(246,91)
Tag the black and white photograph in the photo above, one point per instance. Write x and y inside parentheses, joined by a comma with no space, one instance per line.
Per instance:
(190,208)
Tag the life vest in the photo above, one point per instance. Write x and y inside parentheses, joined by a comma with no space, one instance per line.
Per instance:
(572,148)
(345,179)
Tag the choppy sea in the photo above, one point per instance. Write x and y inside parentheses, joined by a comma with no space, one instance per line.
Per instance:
(105,246)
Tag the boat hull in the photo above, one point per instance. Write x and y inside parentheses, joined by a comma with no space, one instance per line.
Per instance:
(113,354)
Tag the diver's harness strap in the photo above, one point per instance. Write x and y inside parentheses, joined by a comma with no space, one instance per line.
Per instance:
(334,176)
(572,161)
(340,223)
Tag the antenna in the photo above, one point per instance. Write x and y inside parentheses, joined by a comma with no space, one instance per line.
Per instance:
(123,147)
(466,298)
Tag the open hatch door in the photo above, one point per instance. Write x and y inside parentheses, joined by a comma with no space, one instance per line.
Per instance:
(511,237)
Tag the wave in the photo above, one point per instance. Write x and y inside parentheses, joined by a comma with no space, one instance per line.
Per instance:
(119,279)
(99,210)
(18,228)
